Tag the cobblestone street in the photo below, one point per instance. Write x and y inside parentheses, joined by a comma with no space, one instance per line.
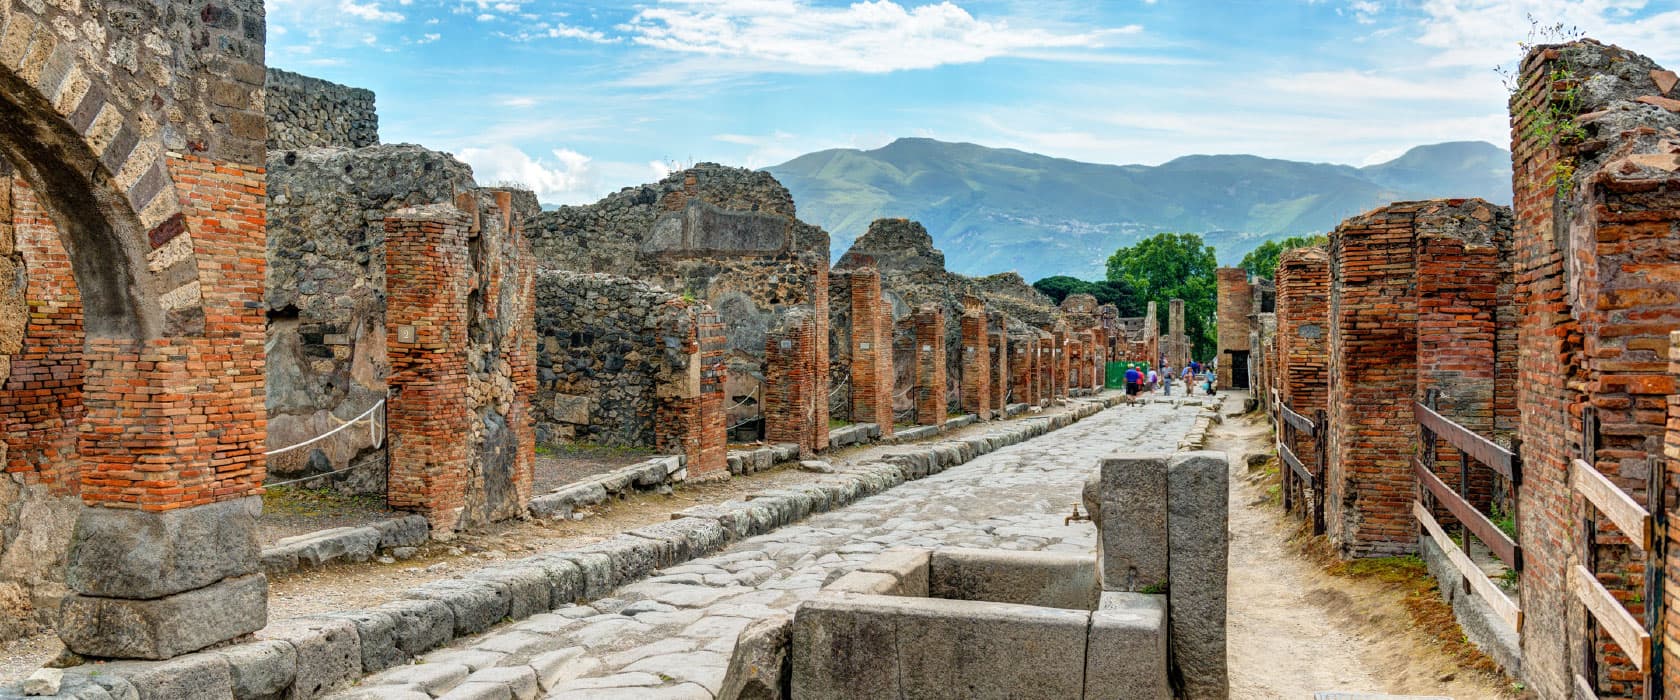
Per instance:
(670,636)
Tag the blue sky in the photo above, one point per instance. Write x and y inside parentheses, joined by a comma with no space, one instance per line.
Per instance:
(578,99)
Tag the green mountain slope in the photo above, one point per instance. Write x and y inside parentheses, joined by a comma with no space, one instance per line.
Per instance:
(994,210)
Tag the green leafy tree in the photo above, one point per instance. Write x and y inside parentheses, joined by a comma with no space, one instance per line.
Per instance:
(1120,294)
(1263,260)
(1060,286)
(1171,266)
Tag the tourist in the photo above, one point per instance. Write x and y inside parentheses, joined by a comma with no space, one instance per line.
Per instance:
(1166,381)
(1133,378)
(1207,380)
(1154,379)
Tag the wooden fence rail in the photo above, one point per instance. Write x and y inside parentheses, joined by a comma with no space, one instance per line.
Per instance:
(1298,478)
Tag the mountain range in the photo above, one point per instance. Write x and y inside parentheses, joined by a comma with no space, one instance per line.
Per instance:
(995,210)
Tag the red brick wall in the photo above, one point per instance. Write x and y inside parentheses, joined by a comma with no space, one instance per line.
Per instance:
(998,342)
(872,356)
(1059,363)
(689,417)
(794,386)
(1023,370)
(426,273)
(41,402)
(928,322)
(1046,389)
(976,362)
(1303,336)
(1235,303)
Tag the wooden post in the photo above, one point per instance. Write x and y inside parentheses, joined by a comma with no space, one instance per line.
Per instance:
(1321,442)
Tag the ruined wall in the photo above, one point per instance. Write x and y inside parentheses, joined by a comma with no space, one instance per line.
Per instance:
(1023,365)
(726,236)
(1176,348)
(976,360)
(325,294)
(1303,336)
(620,362)
(1596,222)
(930,393)
(870,350)
(304,112)
(1235,304)
(1374,371)
(795,386)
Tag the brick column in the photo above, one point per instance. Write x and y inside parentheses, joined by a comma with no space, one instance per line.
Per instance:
(1235,303)
(928,320)
(41,399)
(999,342)
(1176,347)
(793,386)
(1303,336)
(872,361)
(689,414)
(976,361)
(1023,372)
(1059,346)
(1045,390)
(426,276)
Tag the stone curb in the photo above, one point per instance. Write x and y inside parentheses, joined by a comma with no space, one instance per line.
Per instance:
(643,476)
(344,544)
(310,656)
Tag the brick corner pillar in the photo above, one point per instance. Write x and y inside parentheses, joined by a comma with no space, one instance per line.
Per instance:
(426,275)
(1235,302)
(1373,370)
(164,560)
(928,325)
(872,355)
(1098,361)
(976,362)
(1060,345)
(794,384)
(1023,348)
(1303,337)
(999,350)
(688,411)
(1044,391)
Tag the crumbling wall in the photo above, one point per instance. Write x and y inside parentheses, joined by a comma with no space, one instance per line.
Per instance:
(1235,298)
(976,359)
(1303,337)
(304,112)
(795,393)
(325,292)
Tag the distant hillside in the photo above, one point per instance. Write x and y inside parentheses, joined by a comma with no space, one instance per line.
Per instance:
(994,210)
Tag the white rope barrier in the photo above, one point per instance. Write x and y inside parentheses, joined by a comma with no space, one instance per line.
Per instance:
(744,400)
(373,432)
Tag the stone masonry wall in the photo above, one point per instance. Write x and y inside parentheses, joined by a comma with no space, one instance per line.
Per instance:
(304,112)
(1235,304)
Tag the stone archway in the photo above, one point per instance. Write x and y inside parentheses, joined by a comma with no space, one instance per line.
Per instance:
(139,128)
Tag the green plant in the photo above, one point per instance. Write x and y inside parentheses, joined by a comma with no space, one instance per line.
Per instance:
(1552,124)
(1154,589)
(1506,522)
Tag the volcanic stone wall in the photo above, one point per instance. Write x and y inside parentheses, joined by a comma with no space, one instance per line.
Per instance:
(1374,372)
(726,236)
(1595,230)
(1235,304)
(620,363)
(304,112)
(325,292)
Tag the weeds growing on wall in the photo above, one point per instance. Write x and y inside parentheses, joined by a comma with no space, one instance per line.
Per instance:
(1553,123)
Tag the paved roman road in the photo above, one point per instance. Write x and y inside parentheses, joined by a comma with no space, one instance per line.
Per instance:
(670,636)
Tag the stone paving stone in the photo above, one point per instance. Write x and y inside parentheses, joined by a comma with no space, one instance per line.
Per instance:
(1014,499)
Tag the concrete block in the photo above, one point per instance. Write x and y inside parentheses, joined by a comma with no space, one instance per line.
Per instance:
(419,625)
(476,605)
(1199,542)
(760,666)
(1126,657)
(164,627)
(1132,523)
(1050,579)
(142,555)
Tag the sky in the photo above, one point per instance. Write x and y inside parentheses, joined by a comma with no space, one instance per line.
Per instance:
(578,99)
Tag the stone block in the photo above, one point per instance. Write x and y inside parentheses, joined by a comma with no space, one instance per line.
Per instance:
(528,587)
(164,627)
(888,646)
(596,568)
(352,544)
(376,632)
(410,531)
(868,582)
(123,553)
(632,557)
(260,669)
(556,667)
(1126,657)
(420,625)
(736,522)
(1050,579)
(329,653)
(909,567)
(760,666)
(520,681)
(203,675)
(565,579)
(432,678)
(1132,523)
(476,605)
(1199,543)
(691,537)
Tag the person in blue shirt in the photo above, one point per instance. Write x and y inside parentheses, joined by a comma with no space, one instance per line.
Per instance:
(1133,378)
(1166,381)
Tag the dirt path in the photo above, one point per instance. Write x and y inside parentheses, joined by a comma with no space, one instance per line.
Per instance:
(1295,629)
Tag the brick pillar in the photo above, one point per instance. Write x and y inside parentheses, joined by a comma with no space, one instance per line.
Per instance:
(1303,336)
(1046,359)
(928,321)
(999,341)
(426,277)
(872,357)
(165,560)
(1059,346)
(1235,303)
(976,362)
(791,387)
(1022,371)
(688,411)
(1176,348)
(1098,357)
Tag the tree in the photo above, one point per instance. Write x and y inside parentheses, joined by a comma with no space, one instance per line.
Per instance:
(1171,266)
(1120,294)
(1262,261)
(1060,286)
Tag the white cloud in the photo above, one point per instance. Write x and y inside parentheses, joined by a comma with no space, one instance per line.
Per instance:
(561,30)
(429,38)
(872,36)
(568,177)
(369,12)
(520,101)
(486,17)
(1485,33)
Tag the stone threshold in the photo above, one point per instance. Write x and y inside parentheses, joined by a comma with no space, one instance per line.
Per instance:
(310,656)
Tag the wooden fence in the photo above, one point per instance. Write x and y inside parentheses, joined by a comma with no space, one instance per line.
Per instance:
(1301,485)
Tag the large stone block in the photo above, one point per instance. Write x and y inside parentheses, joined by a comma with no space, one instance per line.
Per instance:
(329,653)
(477,605)
(260,669)
(420,625)
(1197,525)
(121,553)
(759,668)
(1132,523)
(1049,579)
(165,627)
(1126,657)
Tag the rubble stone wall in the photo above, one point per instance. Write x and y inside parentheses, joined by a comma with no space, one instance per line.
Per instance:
(304,112)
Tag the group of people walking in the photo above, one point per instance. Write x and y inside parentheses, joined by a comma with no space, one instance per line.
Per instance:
(1194,375)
